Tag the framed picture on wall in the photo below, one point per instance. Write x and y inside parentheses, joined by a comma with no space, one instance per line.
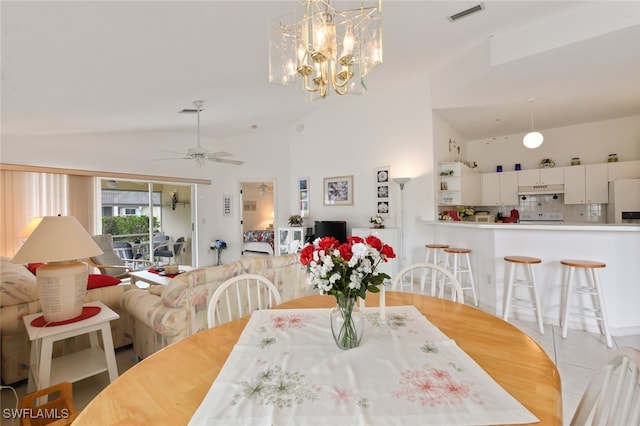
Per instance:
(227,205)
(338,191)
(250,205)
(303,196)
(381,178)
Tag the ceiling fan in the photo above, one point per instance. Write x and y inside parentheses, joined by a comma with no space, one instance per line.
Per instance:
(200,154)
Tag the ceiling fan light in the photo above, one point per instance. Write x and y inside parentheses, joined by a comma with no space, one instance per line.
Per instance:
(533,140)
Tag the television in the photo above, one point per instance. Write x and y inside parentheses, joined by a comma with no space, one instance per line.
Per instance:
(331,228)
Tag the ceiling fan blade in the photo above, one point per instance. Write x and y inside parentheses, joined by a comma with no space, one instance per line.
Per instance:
(220,154)
(224,160)
(171,158)
(172,152)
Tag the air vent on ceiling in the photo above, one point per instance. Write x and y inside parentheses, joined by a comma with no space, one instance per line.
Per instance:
(467,12)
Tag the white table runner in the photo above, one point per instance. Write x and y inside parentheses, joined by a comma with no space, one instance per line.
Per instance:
(287,370)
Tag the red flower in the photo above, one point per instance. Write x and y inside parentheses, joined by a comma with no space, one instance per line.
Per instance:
(327,243)
(387,251)
(355,239)
(345,252)
(306,254)
(374,242)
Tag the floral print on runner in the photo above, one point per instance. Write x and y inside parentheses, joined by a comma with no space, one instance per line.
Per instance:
(433,387)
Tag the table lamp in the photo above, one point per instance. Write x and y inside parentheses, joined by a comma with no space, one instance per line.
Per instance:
(62,282)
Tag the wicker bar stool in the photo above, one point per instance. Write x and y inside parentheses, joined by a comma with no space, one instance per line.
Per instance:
(461,264)
(528,281)
(591,287)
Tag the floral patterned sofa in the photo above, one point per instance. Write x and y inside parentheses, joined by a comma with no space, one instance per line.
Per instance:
(161,315)
(19,297)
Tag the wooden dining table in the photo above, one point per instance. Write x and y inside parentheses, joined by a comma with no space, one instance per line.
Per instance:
(169,386)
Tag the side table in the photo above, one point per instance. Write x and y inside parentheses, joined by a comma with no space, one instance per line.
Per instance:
(43,370)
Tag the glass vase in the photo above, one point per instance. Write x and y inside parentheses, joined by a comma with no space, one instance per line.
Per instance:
(347,323)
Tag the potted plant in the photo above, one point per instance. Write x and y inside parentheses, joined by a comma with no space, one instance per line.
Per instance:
(295,220)
(377,221)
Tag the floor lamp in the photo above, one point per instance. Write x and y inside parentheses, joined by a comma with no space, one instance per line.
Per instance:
(401,181)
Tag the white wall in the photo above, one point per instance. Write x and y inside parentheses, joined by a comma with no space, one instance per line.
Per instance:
(350,136)
(387,127)
(265,156)
(592,142)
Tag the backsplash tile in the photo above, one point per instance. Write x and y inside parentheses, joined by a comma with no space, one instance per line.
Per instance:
(573,213)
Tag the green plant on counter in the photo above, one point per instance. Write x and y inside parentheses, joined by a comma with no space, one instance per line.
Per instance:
(446,173)
(465,211)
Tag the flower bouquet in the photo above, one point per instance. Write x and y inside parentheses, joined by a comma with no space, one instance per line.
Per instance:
(377,221)
(217,246)
(346,271)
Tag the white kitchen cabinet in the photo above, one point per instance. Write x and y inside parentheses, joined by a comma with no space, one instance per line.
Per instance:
(459,185)
(389,236)
(624,170)
(546,176)
(286,237)
(586,184)
(499,189)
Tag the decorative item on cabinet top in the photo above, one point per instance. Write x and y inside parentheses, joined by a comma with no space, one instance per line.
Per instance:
(547,163)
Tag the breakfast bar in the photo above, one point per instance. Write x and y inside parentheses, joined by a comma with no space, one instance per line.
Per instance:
(618,246)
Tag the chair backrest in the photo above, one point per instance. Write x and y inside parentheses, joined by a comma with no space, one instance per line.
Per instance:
(177,246)
(240,296)
(123,249)
(413,279)
(612,396)
(109,257)
(60,410)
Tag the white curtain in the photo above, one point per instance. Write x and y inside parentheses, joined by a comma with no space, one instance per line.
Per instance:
(26,195)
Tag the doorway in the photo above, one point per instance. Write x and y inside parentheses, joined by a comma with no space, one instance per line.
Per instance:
(257,218)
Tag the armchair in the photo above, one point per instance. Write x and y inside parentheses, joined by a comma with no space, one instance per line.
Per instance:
(109,263)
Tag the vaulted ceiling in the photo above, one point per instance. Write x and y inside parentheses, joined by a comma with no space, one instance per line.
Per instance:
(114,66)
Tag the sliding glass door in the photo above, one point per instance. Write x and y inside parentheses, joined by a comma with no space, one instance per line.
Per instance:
(152,220)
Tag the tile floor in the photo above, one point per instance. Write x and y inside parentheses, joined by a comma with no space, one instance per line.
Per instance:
(576,357)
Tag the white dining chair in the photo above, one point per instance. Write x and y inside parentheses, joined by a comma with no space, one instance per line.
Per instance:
(612,396)
(240,296)
(413,279)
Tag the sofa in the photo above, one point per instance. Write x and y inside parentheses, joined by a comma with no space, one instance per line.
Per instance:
(162,315)
(19,297)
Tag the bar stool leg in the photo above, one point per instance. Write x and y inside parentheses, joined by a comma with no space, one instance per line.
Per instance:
(536,299)
(595,283)
(471,280)
(567,302)
(507,301)
(434,274)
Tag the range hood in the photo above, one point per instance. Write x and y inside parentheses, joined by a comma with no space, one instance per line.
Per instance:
(541,189)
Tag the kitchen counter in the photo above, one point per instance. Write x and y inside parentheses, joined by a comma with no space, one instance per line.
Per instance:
(617,245)
(609,227)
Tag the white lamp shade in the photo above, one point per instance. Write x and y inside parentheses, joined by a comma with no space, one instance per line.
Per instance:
(533,139)
(31,226)
(57,239)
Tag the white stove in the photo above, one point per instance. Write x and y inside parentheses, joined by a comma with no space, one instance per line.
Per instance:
(542,218)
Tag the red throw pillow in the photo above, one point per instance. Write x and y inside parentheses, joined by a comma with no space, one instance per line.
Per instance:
(101,280)
(33,267)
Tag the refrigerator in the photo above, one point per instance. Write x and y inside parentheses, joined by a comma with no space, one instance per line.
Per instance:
(624,196)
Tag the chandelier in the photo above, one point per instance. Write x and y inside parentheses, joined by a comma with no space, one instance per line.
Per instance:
(320,47)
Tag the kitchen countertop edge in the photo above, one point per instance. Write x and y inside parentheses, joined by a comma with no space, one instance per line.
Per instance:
(609,227)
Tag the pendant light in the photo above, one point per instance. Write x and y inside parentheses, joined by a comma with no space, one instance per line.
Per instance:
(532,139)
